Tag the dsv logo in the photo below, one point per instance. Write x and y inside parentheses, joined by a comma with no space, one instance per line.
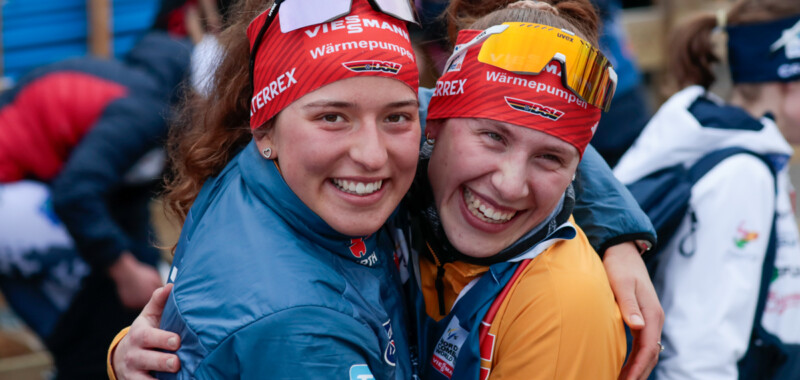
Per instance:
(373,65)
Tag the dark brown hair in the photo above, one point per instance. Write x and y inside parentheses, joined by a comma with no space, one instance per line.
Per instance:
(692,56)
(578,16)
(211,130)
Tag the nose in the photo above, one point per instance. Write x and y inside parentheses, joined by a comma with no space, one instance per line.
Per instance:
(368,147)
(511,179)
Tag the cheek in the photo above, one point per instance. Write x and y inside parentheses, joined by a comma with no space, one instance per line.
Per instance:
(446,168)
(550,186)
(791,114)
(404,149)
(302,153)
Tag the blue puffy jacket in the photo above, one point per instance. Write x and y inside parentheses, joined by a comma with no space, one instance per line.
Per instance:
(264,288)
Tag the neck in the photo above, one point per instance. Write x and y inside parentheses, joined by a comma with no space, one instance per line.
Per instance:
(765,98)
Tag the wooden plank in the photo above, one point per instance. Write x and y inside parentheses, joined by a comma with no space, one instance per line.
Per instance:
(100,28)
(645,29)
(33,366)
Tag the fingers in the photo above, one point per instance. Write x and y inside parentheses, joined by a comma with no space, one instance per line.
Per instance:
(629,306)
(626,369)
(626,271)
(645,351)
(145,333)
(645,340)
(155,307)
(651,309)
(143,361)
(149,337)
(138,376)
(643,359)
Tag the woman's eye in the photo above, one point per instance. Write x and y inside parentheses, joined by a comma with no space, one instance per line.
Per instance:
(494,136)
(332,118)
(551,157)
(397,118)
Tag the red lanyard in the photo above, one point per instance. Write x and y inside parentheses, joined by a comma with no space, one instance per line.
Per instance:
(486,340)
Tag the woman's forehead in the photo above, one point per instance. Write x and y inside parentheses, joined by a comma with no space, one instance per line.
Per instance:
(521,135)
(360,89)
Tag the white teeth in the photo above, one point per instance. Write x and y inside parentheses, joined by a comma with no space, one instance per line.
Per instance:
(484,212)
(358,188)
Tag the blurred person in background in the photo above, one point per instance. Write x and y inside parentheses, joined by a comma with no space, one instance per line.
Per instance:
(80,159)
(201,21)
(629,110)
(729,278)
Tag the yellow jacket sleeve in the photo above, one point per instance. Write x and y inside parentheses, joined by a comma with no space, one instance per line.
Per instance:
(111,348)
(560,320)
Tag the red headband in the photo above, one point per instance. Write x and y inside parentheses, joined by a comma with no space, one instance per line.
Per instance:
(290,65)
(471,89)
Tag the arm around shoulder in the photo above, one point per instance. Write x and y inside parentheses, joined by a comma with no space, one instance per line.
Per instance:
(605,209)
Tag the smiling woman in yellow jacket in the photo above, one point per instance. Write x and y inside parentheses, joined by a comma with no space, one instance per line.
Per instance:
(507,285)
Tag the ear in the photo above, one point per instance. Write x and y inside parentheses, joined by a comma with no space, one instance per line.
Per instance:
(263,136)
(433,128)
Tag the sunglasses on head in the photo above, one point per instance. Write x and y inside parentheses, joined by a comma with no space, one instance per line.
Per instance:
(527,48)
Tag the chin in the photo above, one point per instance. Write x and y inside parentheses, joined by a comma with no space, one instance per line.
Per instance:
(473,250)
(359,229)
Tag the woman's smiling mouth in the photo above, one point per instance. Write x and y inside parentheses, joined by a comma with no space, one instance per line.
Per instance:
(357,188)
(484,211)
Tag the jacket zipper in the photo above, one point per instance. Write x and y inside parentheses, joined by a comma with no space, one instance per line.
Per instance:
(439,284)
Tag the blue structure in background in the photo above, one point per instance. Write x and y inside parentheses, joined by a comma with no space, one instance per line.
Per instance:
(39,32)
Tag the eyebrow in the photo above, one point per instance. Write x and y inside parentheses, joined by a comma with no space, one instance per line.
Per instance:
(342,104)
(555,149)
(329,103)
(403,103)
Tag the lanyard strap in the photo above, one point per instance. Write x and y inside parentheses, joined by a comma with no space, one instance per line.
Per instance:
(487,345)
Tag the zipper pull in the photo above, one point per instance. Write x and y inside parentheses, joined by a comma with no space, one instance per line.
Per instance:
(440,288)
(439,284)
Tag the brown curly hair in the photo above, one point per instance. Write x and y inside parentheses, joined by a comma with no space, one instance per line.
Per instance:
(210,130)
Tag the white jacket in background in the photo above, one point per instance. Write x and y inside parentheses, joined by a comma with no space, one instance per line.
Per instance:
(709,297)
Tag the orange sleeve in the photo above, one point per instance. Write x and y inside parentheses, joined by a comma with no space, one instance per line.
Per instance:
(111,348)
(560,320)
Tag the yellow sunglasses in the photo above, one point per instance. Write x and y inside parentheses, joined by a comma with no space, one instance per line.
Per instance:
(527,48)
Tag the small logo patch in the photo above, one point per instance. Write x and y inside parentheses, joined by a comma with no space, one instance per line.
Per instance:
(358,248)
(372,65)
(446,351)
(360,372)
(458,62)
(549,113)
(744,236)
